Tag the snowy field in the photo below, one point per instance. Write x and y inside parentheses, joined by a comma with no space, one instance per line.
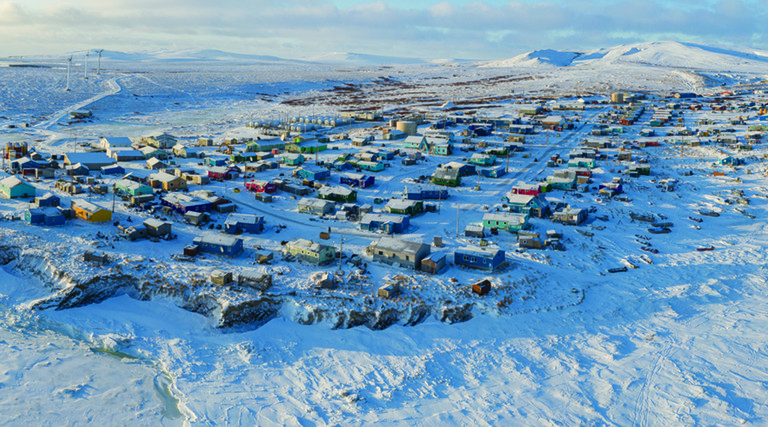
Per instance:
(677,341)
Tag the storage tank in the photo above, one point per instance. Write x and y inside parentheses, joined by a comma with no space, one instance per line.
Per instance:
(407,127)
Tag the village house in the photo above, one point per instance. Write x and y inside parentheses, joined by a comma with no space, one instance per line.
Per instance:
(426,194)
(47,200)
(152,152)
(446,176)
(511,222)
(93,161)
(570,216)
(480,159)
(488,259)
(464,169)
(390,250)
(493,172)
(369,166)
(90,212)
(388,224)
(404,207)
(536,206)
(292,159)
(223,173)
(316,206)
(531,189)
(155,164)
(434,263)
(337,194)
(47,216)
(357,180)
(219,244)
(184,203)
(307,250)
(261,186)
(215,161)
(126,155)
(185,152)
(115,143)
(308,147)
(197,218)
(161,141)
(113,170)
(312,173)
(13,187)
(132,188)
(78,169)
(167,181)
(243,223)
(157,228)
(134,232)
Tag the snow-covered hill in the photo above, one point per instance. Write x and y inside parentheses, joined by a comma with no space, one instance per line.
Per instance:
(659,54)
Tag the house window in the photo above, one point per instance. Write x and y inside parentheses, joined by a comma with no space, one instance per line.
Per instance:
(466,258)
(381,252)
(474,259)
(407,258)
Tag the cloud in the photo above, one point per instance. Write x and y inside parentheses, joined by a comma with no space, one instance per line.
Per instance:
(300,28)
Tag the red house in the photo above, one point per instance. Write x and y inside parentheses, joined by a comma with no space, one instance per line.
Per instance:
(222,173)
(259,186)
(527,189)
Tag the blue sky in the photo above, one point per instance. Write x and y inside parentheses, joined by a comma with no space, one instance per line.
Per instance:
(486,29)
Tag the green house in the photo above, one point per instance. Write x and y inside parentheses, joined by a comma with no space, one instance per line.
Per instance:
(337,194)
(292,159)
(245,157)
(13,187)
(581,162)
(306,147)
(307,250)
(369,166)
(482,159)
(512,222)
(132,188)
(404,207)
(446,176)
(265,145)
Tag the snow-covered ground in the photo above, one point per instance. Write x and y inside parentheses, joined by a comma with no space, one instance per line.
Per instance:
(679,341)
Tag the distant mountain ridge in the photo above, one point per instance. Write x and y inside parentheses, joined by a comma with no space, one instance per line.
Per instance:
(661,53)
(214,55)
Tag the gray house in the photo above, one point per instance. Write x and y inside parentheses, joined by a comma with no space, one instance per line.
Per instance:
(316,206)
(389,250)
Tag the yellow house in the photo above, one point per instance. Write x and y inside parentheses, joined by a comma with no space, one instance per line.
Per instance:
(90,212)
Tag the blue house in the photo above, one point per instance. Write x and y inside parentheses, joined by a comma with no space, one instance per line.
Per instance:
(494,172)
(480,258)
(220,244)
(357,180)
(183,203)
(423,194)
(243,223)
(47,200)
(386,223)
(213,161)
(342,166)
(113,170)
(313,174)
(44,216)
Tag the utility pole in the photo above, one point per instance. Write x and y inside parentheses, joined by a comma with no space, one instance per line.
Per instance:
(86,64)
(457,220)
(341,253)
(69,65)
(98,67)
